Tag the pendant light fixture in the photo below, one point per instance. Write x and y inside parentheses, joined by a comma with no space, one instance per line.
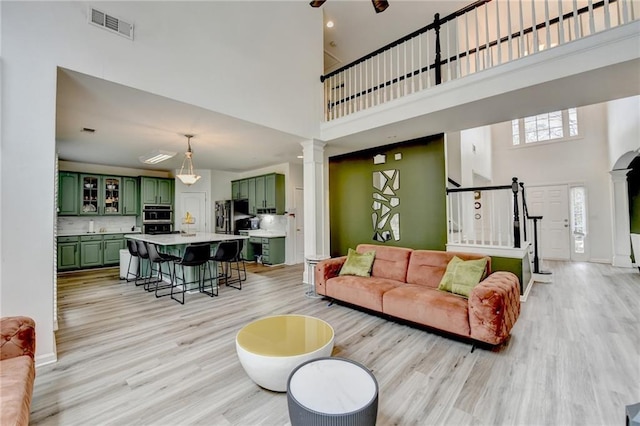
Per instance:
(188,177)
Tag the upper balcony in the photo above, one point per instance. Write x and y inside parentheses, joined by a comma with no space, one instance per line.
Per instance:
(489,62)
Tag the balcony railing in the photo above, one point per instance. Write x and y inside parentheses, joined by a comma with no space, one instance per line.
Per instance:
(480,36)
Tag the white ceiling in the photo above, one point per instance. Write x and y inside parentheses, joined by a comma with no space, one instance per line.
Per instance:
(130,122)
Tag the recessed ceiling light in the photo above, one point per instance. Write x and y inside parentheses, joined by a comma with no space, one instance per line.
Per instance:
(300,156)
(156,156)
(329,24)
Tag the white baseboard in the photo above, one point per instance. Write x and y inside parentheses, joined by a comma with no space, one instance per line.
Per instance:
(46,359)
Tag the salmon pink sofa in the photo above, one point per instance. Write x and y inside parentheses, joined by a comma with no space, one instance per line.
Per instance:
(17,369)
(404,284)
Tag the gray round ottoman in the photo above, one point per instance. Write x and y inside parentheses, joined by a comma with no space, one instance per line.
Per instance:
(332,391)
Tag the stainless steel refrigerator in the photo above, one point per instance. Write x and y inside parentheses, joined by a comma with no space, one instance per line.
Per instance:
(228,213)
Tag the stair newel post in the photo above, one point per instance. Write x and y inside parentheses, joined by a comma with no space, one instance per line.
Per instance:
(525,211)
(437,64)
(516,213)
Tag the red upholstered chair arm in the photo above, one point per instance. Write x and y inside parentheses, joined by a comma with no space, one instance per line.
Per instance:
(327,269)
(18,337)
(494,307)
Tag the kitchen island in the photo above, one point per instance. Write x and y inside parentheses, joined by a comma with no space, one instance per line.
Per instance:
(175,244)
(167,240)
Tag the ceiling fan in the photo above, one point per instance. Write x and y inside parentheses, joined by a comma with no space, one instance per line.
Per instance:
(378,5)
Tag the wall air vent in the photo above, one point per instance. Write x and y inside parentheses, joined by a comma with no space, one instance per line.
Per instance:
(110,23)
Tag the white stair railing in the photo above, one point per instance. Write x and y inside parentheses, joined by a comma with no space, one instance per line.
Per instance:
(480,36)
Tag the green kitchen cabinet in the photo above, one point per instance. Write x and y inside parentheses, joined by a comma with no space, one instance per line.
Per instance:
(235,190)
(251,192)
(240,189)
(156,190)
(273,250)
(110,195)
(274,193)
(68,253)
(90,194)
(270,194)
(112,244)
(68,195)
(260,200)
(165,191)
(91,251)
(100,195)
(129,196)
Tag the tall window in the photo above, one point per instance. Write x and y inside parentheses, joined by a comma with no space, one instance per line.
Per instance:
(545,127)
(578,218)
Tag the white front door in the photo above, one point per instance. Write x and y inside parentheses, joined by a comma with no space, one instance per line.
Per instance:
(194,203)
(552,203)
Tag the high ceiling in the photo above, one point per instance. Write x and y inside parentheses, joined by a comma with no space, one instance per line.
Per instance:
(130,122)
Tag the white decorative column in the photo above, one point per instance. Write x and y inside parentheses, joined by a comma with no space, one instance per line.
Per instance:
(315,206)
(620,219)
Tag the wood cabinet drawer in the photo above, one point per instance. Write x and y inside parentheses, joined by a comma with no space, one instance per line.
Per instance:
(91,238)
(67,239)
(256,240)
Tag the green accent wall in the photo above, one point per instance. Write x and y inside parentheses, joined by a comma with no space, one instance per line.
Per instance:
(520,267)
(422,194)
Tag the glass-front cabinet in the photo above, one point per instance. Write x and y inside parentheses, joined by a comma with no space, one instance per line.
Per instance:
(100,195)
(89,194)
(111,195)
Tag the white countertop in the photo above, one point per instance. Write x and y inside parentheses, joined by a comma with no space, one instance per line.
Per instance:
(177,239)
(80,233)
(266,234)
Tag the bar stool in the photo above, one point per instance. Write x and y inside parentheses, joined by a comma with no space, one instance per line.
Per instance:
(133,251)
(143,254)
(227,254)
(159,259)
(195,255)
(241,260)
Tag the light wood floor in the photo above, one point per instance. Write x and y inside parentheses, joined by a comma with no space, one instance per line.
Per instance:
(127,358)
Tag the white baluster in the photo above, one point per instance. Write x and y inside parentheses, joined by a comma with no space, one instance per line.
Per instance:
(413,65)
(420,86)
(477,46)
(522,50)
(546,24)
(510,29)
(560,23)
(486,33)
(536,45)
(576,21)
(466,26)
(607,15)
(592,21)
(499,34)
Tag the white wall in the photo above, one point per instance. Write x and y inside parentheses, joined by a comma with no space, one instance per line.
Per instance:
(583,160)
(623,117)
(258,61)
(475,154)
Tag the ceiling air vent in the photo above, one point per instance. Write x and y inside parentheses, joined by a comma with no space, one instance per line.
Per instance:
(110,23)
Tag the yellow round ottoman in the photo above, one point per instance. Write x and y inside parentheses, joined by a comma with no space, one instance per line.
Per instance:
(270,348)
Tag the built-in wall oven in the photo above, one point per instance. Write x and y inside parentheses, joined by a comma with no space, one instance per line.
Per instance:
(157,219)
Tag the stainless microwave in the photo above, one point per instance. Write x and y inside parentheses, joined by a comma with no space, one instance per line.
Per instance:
(157,213)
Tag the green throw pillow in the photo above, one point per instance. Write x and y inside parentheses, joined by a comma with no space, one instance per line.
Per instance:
(462,276)
(358,264)
(447,278)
